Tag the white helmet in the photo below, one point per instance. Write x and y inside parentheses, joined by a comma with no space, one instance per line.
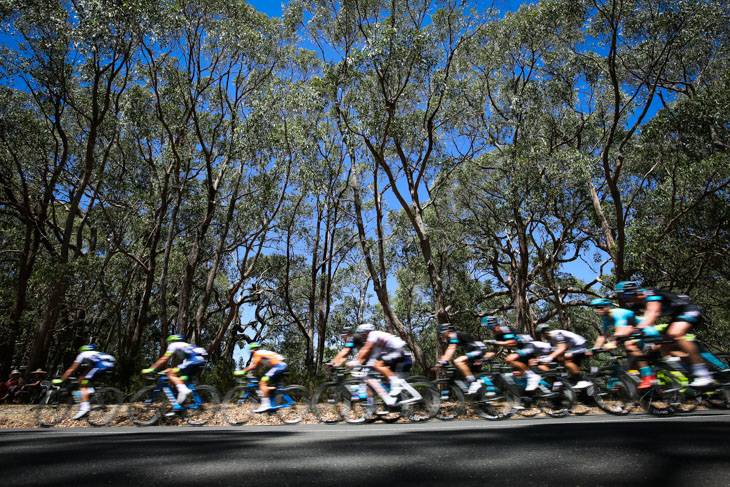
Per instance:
(365,328)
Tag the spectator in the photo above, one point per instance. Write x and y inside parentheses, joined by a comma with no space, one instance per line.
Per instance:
(33,389)
(13,387)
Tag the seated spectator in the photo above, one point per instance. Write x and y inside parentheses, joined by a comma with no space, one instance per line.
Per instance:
(33,389)
(13,386)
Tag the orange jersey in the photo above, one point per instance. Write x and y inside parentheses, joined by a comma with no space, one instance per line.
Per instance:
(267,357)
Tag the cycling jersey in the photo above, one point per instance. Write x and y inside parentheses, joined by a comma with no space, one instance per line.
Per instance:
(95,363)
(572,340)
(534,348)
(618,317)
(676,306)
(471,347)
(266,357)
(384,343)
(193,358)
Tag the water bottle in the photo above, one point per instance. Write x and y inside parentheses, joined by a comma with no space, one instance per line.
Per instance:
(557,385)
(77,396)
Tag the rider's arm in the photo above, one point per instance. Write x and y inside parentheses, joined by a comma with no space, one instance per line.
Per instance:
(559,351)
(160,361)
(600,340)
(364,352)
(254,363)
(511,343)
(70,371)
(450,350)
(340,358)
(653,312)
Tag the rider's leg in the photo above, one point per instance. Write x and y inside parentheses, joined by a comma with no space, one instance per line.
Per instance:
(183,391)
(462,363)
(679,332)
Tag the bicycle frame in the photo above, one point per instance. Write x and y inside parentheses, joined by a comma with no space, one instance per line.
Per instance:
(163,386)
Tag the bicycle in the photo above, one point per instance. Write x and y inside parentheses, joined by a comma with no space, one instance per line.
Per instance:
(553,395)
(488,400)
(290,402)
(153,402)
(55,406)
(365,398)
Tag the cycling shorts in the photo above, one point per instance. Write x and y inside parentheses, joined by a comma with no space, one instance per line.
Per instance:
(191,366)
(275,372)
(690,313)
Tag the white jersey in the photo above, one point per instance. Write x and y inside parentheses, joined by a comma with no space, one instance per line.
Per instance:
(182,350)
(384,343)
(572,340)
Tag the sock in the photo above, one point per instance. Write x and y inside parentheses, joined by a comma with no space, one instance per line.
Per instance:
(84,406)
(470,378)
(645,371)
(182,388)
(700,370)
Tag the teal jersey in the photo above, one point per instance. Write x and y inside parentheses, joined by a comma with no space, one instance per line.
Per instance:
(618,317)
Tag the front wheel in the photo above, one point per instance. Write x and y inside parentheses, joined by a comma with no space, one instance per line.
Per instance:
(556,403)
(238,405)
(612,393)
(202,405)
(497,401)
(352,400)
(452,403)
(297,398)
(428,406)
(663,398)
(105,403)
(325,405)
(54,407)
(147,406)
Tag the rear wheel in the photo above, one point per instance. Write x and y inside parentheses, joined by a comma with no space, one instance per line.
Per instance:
(238,406)
(147,406)
(201,407)
(54,407)
(105,404)
(324,403)
(719,398)
(298,410)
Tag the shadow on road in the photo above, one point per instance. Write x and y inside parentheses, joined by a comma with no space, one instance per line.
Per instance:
(630,453)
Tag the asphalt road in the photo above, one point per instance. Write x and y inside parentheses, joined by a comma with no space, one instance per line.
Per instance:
(587,451)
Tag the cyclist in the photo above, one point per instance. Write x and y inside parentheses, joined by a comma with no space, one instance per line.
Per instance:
(568,348)
(682,314)
(277,367)
(525,348)
(386,354)
(192,360)
(352,342)
(90,364)
(473,351)
(624,323)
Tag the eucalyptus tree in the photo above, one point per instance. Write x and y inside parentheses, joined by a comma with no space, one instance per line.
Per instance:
(521,200)
(391,63)
(639,56)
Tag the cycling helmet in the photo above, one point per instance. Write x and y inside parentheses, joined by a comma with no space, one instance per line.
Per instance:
(87,348)
(253,345)
(445,328)
(175,338)
(542,328)
(626,288)
(601,302)
(365,328)
(489,322)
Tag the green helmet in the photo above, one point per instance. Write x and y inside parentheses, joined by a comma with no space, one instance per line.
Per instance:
(253,345)
(87,348)
(175,338)
(601,303)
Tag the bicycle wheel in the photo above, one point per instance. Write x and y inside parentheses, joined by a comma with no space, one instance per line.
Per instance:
(556,403)
(583,402)
(663,398)
(719,398)
(202,405)
(299,398)
(105,403)
(613,394)
(452,403)
(147,406)
(428,406)
(238,406)
(54,407)
(324,403)
(351,398)
(497,403)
